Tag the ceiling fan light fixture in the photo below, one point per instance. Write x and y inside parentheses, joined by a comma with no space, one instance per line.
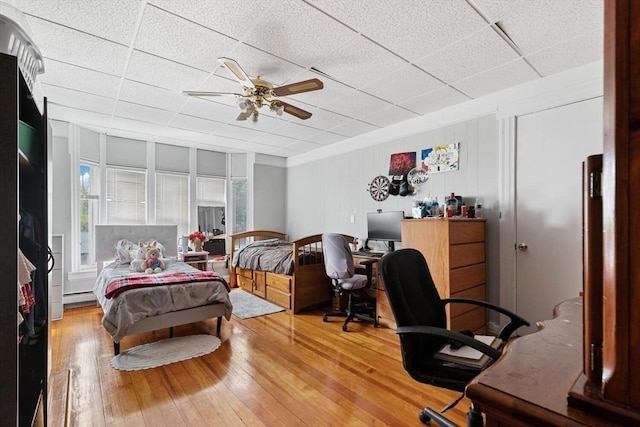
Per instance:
(277,108)
(244,105)
(254,116)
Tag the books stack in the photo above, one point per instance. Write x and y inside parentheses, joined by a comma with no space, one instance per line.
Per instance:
(467,357)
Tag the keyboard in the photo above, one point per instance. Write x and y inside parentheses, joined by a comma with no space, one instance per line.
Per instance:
(368,254)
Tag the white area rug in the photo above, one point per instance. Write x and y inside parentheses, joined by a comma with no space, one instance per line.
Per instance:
(165,351)
(246,305)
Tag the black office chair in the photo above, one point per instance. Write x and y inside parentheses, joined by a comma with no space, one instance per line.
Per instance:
(338,264)
(421,321)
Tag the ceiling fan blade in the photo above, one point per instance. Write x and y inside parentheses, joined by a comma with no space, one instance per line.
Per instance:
(200,93)
(237,71)
(294,111)
(299,87)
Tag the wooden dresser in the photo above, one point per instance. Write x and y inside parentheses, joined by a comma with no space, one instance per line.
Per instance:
(455,252)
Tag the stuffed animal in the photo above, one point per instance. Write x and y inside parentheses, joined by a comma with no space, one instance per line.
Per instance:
(152,263)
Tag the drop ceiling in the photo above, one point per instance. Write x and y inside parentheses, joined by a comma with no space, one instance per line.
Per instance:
(120,66)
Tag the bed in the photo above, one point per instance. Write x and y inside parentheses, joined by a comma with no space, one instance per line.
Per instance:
(300,284)
(145,307)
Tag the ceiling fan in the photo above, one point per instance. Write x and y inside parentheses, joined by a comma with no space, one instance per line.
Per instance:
(257,92)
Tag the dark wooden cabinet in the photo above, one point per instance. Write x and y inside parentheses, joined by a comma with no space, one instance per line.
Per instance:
(545,378)
(23,191)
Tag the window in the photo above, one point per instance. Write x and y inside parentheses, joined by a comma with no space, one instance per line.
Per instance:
(239,195)
(172,201)
(211,202)
(126,196)
(89,211)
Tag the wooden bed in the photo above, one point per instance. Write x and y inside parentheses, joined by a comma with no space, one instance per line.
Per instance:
(307,286)
(107,235)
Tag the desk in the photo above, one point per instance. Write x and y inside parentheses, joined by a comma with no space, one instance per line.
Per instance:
(383,309)
(529,384)
(195,259)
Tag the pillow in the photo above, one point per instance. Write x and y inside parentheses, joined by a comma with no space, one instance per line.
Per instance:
(122,251)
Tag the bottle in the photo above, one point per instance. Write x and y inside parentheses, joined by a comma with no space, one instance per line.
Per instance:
(452,205)
(435,207)
(463,210)
(478,209)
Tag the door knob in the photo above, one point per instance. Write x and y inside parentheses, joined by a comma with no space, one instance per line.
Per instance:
(523,247)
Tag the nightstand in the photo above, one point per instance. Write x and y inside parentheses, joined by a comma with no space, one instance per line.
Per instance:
(195,259)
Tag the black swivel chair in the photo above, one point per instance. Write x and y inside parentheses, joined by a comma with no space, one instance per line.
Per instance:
(338,264)
(421,321)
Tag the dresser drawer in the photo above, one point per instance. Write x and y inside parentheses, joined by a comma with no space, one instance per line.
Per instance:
(245,283)
(278,297)
(467,277)
(473,320)
(477,293)
(466,254)
(279,282)
(244,273)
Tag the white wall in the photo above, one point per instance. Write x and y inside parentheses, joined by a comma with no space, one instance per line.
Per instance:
(326,186)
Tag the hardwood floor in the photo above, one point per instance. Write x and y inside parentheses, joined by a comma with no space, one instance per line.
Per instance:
(275,370)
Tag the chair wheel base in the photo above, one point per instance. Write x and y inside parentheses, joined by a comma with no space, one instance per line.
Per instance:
(424,417)
(325,318)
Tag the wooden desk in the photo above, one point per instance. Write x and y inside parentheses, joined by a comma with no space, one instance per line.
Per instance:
(530,383)
(195,259)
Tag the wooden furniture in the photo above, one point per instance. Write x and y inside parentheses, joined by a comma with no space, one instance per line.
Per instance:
(529,384)
(23,174)
(544,379)
(195,259)
(307,286)
(455,252)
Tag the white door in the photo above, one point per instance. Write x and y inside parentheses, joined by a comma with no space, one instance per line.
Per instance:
(550,148)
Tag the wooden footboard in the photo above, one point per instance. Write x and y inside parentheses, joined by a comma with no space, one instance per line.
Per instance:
(306,287)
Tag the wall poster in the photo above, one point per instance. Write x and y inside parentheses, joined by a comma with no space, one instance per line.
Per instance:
(441,158)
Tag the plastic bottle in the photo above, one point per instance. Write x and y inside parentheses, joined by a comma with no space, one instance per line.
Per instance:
(463,210)
(478,209)
(452,205)
(435,207)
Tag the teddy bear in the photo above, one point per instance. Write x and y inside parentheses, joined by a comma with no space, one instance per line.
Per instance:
(152,262)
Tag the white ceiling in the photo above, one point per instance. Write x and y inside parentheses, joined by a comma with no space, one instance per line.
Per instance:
(120,66)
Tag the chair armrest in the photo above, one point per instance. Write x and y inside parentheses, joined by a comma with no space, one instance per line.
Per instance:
(508,329)
(451,335)
(367,270)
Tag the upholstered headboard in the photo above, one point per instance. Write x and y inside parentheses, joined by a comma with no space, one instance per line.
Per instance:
(108,235)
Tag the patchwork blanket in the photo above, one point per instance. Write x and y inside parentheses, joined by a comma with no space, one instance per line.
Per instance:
(117,286)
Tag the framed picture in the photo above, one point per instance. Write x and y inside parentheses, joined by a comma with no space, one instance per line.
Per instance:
(441,158)
(401,163)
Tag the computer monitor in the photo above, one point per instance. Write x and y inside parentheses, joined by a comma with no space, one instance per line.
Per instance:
(385,226)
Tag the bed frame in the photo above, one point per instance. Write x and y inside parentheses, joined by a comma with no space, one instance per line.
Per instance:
(308,286)
(106,237)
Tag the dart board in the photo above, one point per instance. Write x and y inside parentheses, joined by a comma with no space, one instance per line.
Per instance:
(379,188)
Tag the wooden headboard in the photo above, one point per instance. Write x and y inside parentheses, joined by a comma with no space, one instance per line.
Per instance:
(108,235)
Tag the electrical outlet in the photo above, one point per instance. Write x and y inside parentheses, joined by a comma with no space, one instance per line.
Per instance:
(352,219)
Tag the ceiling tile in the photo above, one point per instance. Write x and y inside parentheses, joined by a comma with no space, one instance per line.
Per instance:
(303,146)
(324,119)
(169,36)
(237,132)
(143,112)
(536,24)
(220,141)
(477,53)
(296,31)
(319,98)
(232,17)
(411,28)
(357,105)
(89,16)
(326,138)
(127,124)
(354,128)
(407,82)
(389,116)
(81,79)
(511,74)
(435,100)
(140,93)
(573,53)
(79,100)
(295,130)
(181,134)
(195,123)
(359,62)
(258,148)
(74,47)
(273,140)
(79,117)
(157,71)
